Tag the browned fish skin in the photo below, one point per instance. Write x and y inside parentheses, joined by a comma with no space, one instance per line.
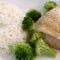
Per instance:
(49,24)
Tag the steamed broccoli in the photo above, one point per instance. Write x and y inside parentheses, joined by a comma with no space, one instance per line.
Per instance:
(23,51)
(49,5)
(28,24)
(34,14)
(34,36)
(39,46)
(43,48)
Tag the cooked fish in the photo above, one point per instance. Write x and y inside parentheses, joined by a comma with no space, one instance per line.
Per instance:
(49,24)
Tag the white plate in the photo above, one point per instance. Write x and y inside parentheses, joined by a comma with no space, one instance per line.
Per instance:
(25,5)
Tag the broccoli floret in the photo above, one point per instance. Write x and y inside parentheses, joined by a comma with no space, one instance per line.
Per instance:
(23,51)
(49,5)
(34,14)
(39,45)
(34,36)
(32,39)
(43,48)
(28,24)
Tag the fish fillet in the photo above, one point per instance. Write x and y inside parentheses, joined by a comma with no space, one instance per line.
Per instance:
(49,24)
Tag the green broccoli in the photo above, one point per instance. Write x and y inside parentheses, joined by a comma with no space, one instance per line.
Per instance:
(23,51)
(49,5)
(28,24)
(43,48)
(34,36)
(32,39)
(39,46)
(34,14)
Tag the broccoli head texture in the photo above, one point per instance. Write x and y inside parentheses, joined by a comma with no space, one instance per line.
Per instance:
(34,36)
(32,39)
(34,14)
(42,48)
(49,5)
(28,24)
(23,51)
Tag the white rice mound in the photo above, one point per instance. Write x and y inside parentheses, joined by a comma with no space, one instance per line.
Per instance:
(10,28)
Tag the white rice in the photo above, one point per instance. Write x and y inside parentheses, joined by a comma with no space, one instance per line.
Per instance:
(10,28)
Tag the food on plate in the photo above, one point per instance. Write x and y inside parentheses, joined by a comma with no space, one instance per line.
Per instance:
(49,5)
(23,51)
(35,40)
(33,48)
(14,27)
(32,39)
(28,24)
(34,14)
(10,28)
(31,17)
(49,25)
(43,48)
(40,47)
(34,36)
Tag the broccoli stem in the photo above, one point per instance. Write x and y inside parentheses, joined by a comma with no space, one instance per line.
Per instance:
(43,48)
(39,46)
(51,52)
